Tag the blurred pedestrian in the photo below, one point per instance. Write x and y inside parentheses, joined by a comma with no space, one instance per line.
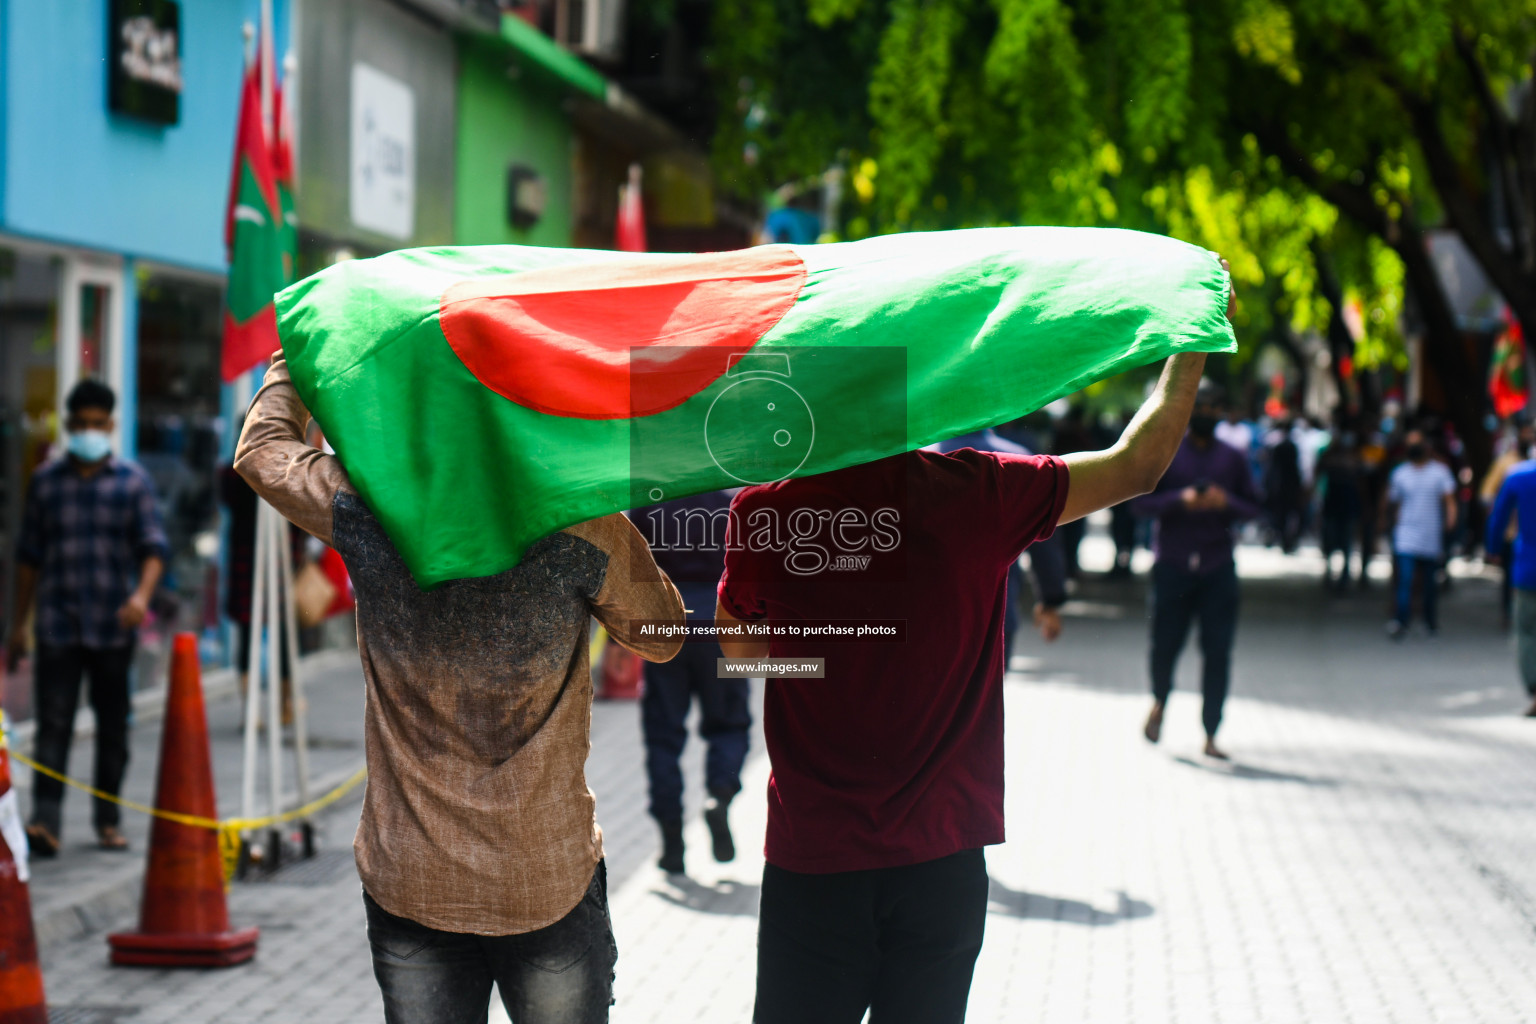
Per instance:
(92,549)
(687,539)
(1284,493)
(1339,476)
(1207,490)
(1519,449)
(479,850)
(1073,435)
(887,774)
(1373,487)
(1516,501)
(1421,509)
(1235,432)
(1122,532)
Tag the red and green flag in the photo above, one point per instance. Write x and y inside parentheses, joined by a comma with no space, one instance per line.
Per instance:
(1507,384)
(484,397)
(259,235)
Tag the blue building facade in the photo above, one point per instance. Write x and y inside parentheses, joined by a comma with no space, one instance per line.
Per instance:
(117,128)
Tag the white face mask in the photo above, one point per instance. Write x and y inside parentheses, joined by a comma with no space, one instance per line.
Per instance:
(90,445)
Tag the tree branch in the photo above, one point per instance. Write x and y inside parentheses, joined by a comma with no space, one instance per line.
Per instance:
(1501,268)
(1502,132)
(1354,201)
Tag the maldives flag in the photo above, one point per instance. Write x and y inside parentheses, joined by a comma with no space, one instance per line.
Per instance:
(1507,384)
(484,397)
(257,236)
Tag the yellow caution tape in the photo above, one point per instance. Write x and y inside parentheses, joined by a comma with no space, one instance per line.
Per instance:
(228,830)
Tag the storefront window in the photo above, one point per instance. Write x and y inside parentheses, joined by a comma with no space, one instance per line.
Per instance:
(29,300)
(179,431)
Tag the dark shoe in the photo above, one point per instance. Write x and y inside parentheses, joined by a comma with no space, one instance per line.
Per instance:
(41,842)
(719,828)
(111,839)
(1153,730)
(671,847)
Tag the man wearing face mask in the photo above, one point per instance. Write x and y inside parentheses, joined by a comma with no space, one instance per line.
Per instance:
(91,550)
(1207,489)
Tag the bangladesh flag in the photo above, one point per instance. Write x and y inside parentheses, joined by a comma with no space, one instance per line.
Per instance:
(258,236)
(483,397)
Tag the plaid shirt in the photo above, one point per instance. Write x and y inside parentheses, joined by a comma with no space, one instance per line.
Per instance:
(88,537)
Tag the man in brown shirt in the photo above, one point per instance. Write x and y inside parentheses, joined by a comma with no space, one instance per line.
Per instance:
(479,848)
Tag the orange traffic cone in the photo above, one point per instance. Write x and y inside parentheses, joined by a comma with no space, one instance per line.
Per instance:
(621,674)
(21,980)
(184,921)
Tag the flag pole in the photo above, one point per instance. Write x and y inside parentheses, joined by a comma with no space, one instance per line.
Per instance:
(269,521)
(290,117)
(290,625)
(268,70)
(253,667)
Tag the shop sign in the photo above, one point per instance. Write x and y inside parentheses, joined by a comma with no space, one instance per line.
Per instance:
(383,185)
(144,58)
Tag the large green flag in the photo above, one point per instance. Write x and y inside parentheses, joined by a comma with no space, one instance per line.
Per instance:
(483,397)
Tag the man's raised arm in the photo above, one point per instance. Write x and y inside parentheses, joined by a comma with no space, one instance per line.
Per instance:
(1135,463)
(297,479)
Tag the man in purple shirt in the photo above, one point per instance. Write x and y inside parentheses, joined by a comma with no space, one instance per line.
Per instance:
(1206,490)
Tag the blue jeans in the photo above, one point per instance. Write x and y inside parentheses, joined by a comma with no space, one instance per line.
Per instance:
(1178,598)
(1409,566)
(561,974)
(724,720)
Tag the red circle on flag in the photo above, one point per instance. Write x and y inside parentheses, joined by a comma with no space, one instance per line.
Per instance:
(621,337)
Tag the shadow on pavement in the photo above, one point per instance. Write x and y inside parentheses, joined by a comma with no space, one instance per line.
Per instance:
(738,899)
(1027,905)
(1234,770)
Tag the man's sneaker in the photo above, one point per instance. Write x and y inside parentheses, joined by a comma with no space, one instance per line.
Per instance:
(1396,630)
(719,828)
(671,847)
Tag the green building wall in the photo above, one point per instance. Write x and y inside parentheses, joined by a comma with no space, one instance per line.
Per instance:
(504,121)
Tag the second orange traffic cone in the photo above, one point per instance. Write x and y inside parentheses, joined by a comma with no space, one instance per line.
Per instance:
(21,980)
(184,921)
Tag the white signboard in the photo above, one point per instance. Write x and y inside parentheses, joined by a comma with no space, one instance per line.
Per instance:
(383,194)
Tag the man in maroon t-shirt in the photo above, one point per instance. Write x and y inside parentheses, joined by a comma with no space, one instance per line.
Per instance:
(888,773)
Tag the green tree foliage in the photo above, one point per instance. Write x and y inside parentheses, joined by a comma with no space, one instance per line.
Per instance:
(1278,132)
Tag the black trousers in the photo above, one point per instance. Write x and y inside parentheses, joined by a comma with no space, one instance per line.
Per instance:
(899,942)
(57,678)
(1178,598)
(725,722)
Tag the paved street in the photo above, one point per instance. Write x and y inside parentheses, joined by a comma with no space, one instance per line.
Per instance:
(1368,856)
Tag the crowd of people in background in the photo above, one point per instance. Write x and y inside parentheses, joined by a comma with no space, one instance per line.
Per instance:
(1392,492)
